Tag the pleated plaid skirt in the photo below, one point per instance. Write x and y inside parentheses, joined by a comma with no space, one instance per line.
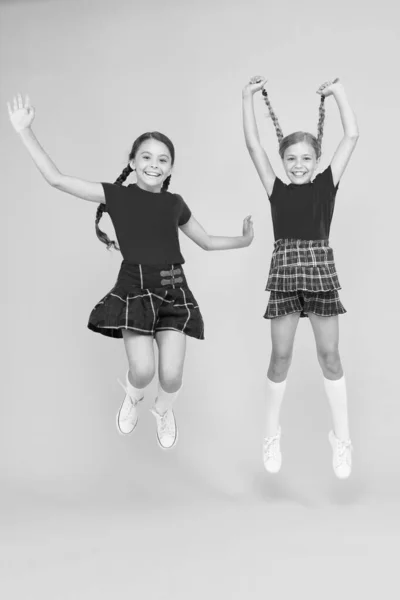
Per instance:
(147,299)
(303,278)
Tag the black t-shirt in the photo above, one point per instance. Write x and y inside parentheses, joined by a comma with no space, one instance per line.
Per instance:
(303,211)
(146,223)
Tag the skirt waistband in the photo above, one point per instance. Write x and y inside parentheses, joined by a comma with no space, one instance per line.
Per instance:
(152,276)
(298,243)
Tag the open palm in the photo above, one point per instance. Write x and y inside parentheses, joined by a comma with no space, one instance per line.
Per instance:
(21,113)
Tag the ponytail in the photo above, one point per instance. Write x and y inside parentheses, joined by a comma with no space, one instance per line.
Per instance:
(320,127)
(103,237)
(274,118)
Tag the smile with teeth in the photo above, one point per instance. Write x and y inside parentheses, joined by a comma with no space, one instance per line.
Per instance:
(152,174)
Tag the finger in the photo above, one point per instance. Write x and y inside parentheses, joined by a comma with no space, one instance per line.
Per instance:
(27,101)
(20,101)
(15,103)
(10,111)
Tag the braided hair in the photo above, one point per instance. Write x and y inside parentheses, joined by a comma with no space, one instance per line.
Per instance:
(150,135)
(298,136)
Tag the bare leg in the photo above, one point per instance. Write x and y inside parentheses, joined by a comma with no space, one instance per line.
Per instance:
(283,330)
(172,350)
(326,333)
(140,353)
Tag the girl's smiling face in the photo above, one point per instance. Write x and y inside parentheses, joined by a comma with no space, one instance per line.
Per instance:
(300,162)
(153,164)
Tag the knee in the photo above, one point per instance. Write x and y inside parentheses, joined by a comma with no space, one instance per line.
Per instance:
(280,362)
(329,359)
(141,373)
(170,379)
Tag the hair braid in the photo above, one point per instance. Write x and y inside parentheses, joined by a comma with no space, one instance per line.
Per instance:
(320,127)
(274,118)
(166,183)
(103,237)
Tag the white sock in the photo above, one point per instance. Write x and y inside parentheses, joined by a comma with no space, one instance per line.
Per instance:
(337,395)
(134,393)
(275,392)
(165,400)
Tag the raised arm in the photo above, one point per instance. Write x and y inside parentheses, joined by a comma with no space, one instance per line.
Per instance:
(197,234)
(256,151)
(21,116)
(348,143)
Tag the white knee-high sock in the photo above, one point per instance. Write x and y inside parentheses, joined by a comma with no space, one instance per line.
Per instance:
(165,399)
(275,392)
(337,395)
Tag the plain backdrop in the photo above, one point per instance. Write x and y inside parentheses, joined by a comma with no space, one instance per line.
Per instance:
(100,73)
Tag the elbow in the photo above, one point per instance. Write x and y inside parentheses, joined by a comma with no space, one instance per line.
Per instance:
(56,180)
(54,184)
(353,136)
(253,146)
(207,244)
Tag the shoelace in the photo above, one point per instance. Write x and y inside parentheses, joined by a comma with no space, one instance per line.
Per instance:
(344,447)
(166,424)
(271,446)
(126,410)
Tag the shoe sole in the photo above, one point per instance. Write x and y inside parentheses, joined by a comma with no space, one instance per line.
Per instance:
(175,441)
(332,443)
(169,447)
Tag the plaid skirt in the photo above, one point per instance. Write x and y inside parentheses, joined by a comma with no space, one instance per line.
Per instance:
(147,299)
(303,278)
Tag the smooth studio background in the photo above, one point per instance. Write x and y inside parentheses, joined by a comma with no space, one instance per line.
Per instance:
(95,511)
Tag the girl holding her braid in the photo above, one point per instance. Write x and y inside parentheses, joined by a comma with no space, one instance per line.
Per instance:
(302,280)
(151,297)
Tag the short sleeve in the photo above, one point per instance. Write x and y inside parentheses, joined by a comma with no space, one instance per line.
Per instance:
(325,180)
(184,212)
(112,193)
(279,186)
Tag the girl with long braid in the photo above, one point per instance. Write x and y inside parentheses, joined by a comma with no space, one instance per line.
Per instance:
(151,298)
(302,280)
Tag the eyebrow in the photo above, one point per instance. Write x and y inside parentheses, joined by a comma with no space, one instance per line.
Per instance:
(148,152)
(294,155)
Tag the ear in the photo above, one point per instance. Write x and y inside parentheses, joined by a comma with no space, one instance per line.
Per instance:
(132,164)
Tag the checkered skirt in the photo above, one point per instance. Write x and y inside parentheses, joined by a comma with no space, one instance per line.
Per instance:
(148,299)
(303,278)
(302,265)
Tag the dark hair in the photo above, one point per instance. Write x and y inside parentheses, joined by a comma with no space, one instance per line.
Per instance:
(298,136)
(150,135)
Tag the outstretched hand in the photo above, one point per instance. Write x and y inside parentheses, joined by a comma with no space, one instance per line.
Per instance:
(21,113)
(248,230)
(255,84)
(328,88)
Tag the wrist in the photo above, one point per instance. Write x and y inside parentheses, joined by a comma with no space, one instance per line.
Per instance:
(247,94)
(338,90)
(25,132)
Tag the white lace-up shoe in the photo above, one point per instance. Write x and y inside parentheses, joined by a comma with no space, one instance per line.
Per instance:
(167,431)
(341,461)
(127,416)
(272,453)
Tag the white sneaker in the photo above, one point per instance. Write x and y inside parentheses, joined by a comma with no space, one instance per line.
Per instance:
(167,431)
(127,416)
(341,461)
(272,453)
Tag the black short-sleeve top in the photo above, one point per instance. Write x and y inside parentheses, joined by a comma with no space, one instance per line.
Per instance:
(303,211)
(146,223)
